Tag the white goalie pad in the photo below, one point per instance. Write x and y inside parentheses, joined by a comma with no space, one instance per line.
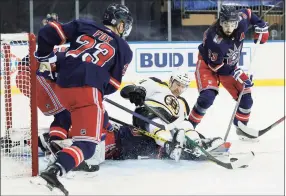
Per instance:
(99,155)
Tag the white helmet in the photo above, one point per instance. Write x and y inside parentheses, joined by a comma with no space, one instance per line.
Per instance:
(181,76)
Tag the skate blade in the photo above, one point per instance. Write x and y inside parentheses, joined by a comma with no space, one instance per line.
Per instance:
(246,139)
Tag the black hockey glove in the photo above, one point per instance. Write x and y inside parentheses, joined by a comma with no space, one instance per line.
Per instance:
(138,96)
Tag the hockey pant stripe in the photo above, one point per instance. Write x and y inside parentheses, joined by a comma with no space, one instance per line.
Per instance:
(58,106)
(76,153)
(100,114)
(58,132)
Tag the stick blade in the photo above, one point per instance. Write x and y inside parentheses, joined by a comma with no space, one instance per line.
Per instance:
(247,130)
(243,161)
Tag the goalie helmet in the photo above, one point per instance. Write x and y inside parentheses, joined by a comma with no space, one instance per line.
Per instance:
(180,76)
(116,13)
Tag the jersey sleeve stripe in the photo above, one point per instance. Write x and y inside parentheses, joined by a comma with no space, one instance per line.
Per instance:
(114,83)
(59,30)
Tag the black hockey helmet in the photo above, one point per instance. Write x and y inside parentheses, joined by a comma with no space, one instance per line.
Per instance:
(228,13)
(116,13)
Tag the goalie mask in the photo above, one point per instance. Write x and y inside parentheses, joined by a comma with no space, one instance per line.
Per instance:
(116,13)
(228,19)
(179,82)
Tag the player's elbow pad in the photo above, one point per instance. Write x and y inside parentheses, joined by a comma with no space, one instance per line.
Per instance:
(125,91)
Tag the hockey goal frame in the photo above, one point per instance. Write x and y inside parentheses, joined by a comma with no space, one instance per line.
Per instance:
(31,40)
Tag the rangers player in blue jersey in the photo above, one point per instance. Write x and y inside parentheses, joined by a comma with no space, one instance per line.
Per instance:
(94,65)
(217,63)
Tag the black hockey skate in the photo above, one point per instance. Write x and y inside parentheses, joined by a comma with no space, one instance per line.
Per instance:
(50,176)
(83,166)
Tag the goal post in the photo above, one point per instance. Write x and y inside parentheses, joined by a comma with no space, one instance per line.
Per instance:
(19,127)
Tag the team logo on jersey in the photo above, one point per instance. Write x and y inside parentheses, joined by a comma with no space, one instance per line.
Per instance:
(217,39)
(212,55)
(83,131)
(233,55)
(172,104)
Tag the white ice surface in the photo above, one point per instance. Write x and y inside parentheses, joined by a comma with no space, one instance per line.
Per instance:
(264,176)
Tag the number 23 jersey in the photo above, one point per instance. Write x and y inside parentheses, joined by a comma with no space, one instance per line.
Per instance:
(96,57)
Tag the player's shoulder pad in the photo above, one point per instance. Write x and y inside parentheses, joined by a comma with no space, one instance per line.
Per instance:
(244,14)
(186,104)
(158,81)
(124,49)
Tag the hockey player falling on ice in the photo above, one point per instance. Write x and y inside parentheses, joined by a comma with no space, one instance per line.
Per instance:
(94,66)
(125,143)
(217,63)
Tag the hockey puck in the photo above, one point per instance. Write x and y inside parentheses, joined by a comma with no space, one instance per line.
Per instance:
(233,159)
(243,166)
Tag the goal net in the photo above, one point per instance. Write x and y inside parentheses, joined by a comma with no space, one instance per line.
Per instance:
(19,137)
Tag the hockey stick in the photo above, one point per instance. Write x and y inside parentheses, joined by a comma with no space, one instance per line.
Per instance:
(241,93)
(257,133)
(135,114)
(234,112)
(237,163)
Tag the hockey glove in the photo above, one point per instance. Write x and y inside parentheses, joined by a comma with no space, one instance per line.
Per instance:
(46,64)
(138,96)
(242,77)
(261,30)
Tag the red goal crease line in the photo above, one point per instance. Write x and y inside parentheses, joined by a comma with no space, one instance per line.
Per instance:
(257,83)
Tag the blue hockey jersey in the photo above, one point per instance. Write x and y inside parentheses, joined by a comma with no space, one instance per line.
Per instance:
(96,57)
(222,53)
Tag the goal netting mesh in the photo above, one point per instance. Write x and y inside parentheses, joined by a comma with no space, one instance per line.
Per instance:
(18,106)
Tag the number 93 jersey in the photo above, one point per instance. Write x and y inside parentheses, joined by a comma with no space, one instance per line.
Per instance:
(160,98)
(96,57)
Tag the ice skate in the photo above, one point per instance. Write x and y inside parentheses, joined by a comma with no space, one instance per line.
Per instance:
(50,176)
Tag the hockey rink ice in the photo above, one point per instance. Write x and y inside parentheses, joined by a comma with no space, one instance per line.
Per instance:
(264,176)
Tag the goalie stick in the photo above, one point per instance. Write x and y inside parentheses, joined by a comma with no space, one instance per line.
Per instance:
(257,133)
(237,163)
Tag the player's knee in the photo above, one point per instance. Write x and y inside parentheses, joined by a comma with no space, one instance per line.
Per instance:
(206,98)
(246,101)
(87,148)
(62,119)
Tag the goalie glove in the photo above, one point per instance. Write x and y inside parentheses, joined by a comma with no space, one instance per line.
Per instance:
(136,94)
